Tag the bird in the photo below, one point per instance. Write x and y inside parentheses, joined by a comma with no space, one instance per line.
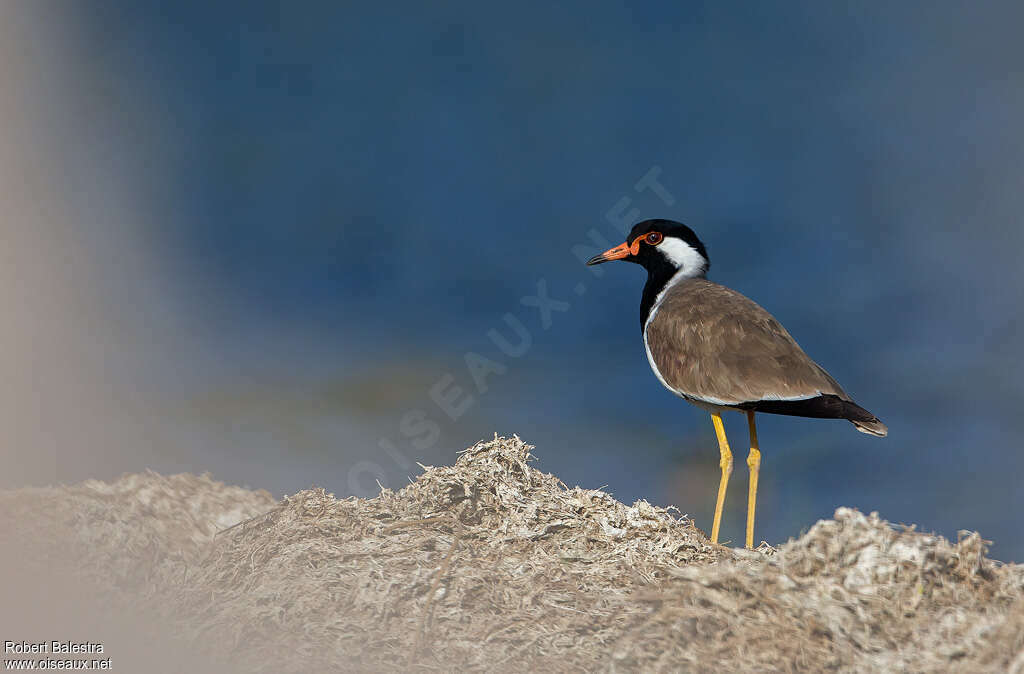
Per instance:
(719,350)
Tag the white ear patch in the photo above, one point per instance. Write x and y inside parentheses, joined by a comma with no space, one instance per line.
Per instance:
(683,257)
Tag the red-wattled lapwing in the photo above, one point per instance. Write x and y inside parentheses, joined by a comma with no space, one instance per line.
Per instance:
(717,349)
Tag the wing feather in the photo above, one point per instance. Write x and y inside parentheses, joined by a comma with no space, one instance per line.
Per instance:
(712,343)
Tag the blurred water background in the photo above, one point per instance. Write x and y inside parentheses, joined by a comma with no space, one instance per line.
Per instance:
(269,241)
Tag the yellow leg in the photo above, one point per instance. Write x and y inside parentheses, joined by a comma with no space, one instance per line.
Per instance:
(754,463)
(726,465)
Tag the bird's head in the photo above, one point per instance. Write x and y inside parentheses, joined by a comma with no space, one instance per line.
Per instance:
(662,247)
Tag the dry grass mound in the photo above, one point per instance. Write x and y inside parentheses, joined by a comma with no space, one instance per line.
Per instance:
(483,563)
(492,565)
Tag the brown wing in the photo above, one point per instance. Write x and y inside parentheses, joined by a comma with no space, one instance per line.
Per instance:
(712,343)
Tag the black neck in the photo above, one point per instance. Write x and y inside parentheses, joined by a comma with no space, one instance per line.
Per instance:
(657,278)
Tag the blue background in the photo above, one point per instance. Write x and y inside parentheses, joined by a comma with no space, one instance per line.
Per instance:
(344,199)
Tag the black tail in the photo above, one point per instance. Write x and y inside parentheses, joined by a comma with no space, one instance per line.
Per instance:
(865,421)
(825,406)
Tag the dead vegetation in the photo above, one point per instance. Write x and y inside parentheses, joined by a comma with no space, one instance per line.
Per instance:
(492,565)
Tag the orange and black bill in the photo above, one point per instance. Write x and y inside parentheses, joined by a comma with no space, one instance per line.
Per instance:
(616,253)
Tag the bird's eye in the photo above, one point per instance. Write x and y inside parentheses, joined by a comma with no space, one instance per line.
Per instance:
(654,238)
